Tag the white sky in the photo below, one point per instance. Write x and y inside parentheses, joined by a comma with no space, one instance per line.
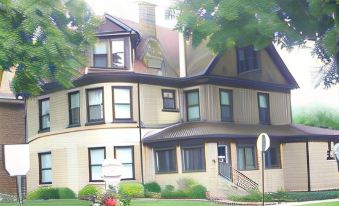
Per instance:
(299,61)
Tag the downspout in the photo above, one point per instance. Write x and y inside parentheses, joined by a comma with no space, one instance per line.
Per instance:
(140,136)
(308,166)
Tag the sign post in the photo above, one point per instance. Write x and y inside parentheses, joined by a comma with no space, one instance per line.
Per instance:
(263,143)
(17,164)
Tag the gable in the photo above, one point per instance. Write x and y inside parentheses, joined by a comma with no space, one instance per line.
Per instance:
(272,69)
(109,27)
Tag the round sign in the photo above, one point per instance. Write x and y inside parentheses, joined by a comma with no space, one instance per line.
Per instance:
(336,150)
(263,142)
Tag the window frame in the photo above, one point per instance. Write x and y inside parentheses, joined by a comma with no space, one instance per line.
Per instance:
(47,129)
(173,91)
(71,124)
(267,96)
(90,165)
(256,56)
(94,54)
(133,159)
(111,53)
(43,169)
(155,158)
(255,157)
(98,121)
(230,93)
(202,147)
(278,153)
(130,104)
(187,106)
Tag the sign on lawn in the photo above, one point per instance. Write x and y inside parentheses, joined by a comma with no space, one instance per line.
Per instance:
(263,142)
(16,159)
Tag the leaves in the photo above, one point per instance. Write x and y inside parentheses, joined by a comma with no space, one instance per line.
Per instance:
(46,40)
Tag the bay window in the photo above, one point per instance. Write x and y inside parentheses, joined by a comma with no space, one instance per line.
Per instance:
(96,157)
(125,154)
(100,54)
(192,105)
(45,168)
(44,116)
(165,160)
(122,103)
(95,106)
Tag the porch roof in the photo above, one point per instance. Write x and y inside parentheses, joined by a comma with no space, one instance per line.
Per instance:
(213,130)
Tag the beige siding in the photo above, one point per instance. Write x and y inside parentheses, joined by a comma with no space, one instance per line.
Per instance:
(152,106)
(269,72)
(324,173)
(295,167)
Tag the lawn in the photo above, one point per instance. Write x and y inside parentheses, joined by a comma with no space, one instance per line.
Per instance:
(324,204)
(134,203)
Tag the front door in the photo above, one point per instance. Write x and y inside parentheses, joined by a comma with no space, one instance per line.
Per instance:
(223,153)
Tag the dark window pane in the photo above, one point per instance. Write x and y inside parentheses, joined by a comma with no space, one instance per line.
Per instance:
(226,113)
(246,158)
(193,159)
(100,60)
(95,112)
(264,113)
(169,104)
(75,116)
(166,160)
(247,59)
(272,158)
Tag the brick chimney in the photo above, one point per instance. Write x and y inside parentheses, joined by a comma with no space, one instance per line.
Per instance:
(147,19)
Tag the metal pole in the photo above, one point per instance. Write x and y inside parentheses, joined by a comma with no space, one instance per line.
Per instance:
(263,176)
(19,190)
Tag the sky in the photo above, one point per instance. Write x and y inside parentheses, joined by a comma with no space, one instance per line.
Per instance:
(299,61)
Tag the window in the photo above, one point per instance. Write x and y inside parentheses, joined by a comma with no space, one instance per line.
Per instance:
(122,103)
(45,168)
(246,157)
(96,157)
(74,108)
(118,54)
(226,105)
(272,157)
(168,99)
(44,114)
(100,54)
(264,108)
(165,160)
(95,106)
(247,59)
(193,107)
(193,158)
(125,154)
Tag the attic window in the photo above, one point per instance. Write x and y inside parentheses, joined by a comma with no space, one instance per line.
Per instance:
(118,54)
(100,55)
(247,59)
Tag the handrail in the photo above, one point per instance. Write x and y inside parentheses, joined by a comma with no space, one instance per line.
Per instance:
(227,171)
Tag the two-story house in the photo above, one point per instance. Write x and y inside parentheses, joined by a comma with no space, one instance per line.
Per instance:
(168,110)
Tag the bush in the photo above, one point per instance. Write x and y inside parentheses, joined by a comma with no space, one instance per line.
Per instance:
(46,193)
(175,194)
(152,187)
(154,195)
(89,190)
(169,188)
(198,192)
(254,196)
(185,183)
(131,189)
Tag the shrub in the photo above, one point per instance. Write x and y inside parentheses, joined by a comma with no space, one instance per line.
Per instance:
(46,193)
(89,190)
(198,192)
(131,189)
(175,194)
(154,195)
(185,183)
(169,188)
(152,187)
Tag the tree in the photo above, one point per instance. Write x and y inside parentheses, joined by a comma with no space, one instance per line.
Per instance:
(44,41)
(288,23)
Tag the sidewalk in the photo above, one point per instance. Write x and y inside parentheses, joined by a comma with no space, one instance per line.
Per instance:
(310,202)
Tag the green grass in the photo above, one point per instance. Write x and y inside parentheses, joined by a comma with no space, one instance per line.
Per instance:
(324,204)
(51,203)
(170,203)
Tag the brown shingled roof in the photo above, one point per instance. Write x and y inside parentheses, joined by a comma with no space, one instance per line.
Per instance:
(205,130)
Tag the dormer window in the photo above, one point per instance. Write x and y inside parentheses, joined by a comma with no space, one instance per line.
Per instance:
(118,53)
(247,59)
(100,55)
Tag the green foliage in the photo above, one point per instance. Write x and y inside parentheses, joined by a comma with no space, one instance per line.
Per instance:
(179,194)
(186,183)
(46,193)
(283,196)
(131,189)
(319,116)
(198,192)
(229,23)
(45,41)
(187,188)
(89,190)
(152,187)
(169,188)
